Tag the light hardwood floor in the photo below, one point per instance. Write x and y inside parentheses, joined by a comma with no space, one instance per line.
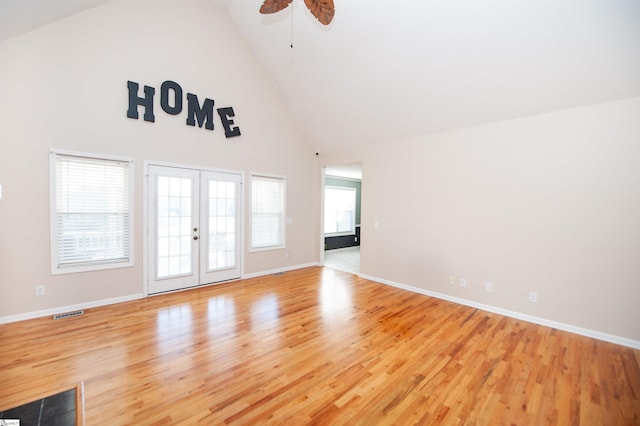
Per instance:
(317,346)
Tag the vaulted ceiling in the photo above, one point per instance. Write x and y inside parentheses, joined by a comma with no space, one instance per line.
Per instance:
(390,69)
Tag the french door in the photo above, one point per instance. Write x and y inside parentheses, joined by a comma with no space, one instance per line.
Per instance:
(194,235)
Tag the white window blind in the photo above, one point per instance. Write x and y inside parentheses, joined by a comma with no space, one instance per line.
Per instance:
(267,212)
(339,210)
(91,212)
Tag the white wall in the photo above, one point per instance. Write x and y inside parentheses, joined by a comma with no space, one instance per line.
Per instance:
(548,203)
(65,86)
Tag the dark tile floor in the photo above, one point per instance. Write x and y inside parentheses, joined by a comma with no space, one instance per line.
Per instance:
(54,410)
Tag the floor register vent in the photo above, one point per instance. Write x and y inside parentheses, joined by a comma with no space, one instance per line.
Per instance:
(68,314)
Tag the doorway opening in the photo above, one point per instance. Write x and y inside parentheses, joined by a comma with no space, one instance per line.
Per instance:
(342,194)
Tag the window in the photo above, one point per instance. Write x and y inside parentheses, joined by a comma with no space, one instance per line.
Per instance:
(91,200)
(339,210)
(267,212)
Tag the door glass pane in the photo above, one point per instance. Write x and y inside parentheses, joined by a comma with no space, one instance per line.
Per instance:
(222,226)
(174,223)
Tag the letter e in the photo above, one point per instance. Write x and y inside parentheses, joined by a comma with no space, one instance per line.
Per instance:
(224,114)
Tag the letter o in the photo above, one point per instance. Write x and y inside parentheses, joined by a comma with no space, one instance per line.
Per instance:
(177,96)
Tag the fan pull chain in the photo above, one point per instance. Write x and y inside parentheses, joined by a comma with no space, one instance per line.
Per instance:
(291,26)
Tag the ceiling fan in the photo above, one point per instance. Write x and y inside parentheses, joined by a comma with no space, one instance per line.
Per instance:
(323,10)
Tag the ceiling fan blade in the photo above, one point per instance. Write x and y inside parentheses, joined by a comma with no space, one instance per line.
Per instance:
(273,6)
(323,10)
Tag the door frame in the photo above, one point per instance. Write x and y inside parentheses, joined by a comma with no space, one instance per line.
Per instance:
(145,214)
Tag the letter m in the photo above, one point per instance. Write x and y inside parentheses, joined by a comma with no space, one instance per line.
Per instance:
(204,115)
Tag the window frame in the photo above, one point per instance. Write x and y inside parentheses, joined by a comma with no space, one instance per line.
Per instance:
(56,268)
(283,214)
(355,202)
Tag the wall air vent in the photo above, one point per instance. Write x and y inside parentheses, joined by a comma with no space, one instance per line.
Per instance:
(68,314)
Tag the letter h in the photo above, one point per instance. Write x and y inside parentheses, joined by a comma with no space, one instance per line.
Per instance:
(135,100)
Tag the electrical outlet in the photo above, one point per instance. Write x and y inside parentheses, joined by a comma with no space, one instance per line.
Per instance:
(463,282)
(40,290)
(488,287)
(533,297)
(452,280)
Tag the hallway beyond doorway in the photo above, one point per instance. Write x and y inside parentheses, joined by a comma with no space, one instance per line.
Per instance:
(345,259)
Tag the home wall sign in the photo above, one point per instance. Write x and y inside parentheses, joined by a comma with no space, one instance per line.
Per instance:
(171,103)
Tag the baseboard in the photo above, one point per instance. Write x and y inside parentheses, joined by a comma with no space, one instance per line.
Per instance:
(512,314)
(63,309)
(279,270)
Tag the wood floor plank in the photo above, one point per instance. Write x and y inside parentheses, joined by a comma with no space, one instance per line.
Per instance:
(317,346)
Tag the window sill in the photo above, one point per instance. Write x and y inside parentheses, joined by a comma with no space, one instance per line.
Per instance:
(90,267)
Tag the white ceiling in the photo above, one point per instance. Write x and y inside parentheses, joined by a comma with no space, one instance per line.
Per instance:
(349,171)
(20,16)
(389,69)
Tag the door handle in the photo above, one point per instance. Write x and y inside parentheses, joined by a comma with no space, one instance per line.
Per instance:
(195,237)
